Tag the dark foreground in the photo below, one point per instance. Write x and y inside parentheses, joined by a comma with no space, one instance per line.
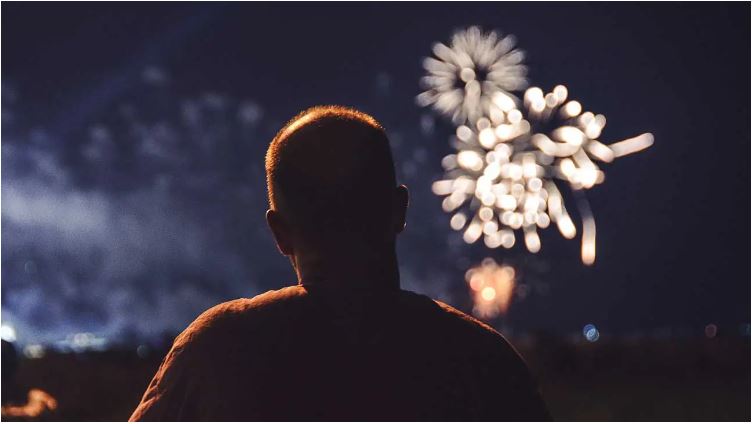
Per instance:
(707,380)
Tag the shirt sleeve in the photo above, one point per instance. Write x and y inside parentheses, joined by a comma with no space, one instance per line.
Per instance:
(504,388)
(192,383)
(168,396)
(181,386)
(509,382)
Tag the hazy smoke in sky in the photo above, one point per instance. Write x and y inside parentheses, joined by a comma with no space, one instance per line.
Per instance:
(136,225)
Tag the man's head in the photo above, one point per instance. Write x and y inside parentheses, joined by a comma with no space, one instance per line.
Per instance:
(331,183)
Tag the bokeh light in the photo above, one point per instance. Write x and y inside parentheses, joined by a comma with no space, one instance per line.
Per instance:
(8,333)
(591,333)
(711,331)
(492,287)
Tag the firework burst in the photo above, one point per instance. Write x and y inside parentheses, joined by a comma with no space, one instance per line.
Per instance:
(504,175)
(492,288)
(463,78)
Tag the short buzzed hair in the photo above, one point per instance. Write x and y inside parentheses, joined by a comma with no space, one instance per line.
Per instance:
(330,172)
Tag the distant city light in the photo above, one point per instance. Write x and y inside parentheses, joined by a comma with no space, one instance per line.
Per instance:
(7,333)
(34,351)
(81,342)
(591,333)
(711,330)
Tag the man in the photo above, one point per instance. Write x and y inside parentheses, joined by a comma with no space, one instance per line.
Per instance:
(345,343)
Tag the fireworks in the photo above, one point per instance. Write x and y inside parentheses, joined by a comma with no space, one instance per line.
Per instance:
(492,288)
(512,157)
(464,77)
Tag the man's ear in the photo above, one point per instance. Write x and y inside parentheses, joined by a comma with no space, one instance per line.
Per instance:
(400,208)
(280,231)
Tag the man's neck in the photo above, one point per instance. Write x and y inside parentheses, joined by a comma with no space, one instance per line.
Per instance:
(349,271)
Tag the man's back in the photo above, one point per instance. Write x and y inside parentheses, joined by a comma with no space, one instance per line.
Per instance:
(310,353)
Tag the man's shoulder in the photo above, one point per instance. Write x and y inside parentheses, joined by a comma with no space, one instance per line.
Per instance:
(461,326)
(448,312)
(257,304)
(221,319)
(467,321)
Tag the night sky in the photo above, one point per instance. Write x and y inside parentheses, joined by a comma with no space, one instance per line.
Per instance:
(133,139)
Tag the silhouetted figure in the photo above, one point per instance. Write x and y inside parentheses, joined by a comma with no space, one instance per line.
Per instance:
(19,404)
(346,343)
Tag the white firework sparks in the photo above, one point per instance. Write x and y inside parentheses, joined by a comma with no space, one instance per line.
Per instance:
(463,78)
(503,176)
